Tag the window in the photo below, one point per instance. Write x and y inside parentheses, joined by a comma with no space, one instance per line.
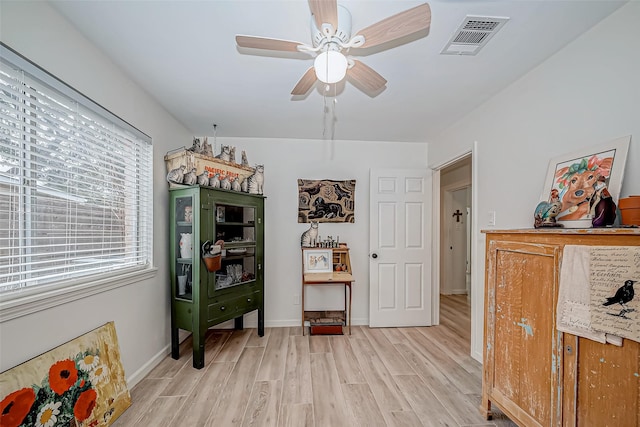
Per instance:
(75,185)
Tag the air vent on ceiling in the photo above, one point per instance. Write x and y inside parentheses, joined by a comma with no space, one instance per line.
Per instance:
(473,34)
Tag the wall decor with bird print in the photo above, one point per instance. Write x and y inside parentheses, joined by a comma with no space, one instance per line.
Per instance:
(615,303)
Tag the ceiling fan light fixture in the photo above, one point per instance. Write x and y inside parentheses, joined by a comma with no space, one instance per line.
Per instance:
(330,67)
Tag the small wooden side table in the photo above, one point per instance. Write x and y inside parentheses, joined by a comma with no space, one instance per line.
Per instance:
(345,279)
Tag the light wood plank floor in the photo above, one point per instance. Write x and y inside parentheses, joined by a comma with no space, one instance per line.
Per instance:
(375,377)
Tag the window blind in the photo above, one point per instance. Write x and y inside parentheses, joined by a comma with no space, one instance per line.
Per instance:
(75,183)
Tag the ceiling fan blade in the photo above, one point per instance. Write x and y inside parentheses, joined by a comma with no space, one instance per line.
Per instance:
(267,43)
(402,24)
(305,83)
(364,76)
(325,11)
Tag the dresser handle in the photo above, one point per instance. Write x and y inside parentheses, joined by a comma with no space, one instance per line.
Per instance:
(223,308)
(248,299)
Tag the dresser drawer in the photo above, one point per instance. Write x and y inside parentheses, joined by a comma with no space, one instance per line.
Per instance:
(235,305)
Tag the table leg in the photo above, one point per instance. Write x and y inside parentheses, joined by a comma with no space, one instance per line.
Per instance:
(350,291)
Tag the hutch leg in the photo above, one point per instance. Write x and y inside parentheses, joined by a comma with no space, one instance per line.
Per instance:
(198,350)
(175,344)
(261,321)
(238,323)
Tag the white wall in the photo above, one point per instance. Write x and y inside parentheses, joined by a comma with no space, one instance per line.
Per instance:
(586,94)
(140,310)
(287,160)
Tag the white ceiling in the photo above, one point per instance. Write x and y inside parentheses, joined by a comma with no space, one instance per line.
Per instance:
(184,54)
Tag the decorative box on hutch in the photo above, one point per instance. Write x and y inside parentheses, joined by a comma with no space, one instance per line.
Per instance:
(182,156)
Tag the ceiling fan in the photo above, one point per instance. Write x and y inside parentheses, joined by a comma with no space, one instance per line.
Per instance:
(331,34)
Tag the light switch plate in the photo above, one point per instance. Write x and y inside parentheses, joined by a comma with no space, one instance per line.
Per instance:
(491,218)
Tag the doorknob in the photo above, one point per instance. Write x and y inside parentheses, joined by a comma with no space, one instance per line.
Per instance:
(374,255)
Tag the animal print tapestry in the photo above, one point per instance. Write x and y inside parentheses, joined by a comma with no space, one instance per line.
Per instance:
(80,383)
(326,200)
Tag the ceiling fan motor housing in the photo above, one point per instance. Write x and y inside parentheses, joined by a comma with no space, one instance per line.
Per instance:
(342,34)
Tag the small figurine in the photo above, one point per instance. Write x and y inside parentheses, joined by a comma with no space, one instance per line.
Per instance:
(225,183)
(214,181)
(203,178)
(176,175)
(546,212)
(244,186)
(309,238)
(603,208)
(225,153)
(256,180)
(232,154)
(206,148)
(245,162)
(190,178)
(235,184)
(188,213)
(195,147)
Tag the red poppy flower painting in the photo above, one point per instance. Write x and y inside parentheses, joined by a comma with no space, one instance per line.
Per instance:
(15,407)
(80,383)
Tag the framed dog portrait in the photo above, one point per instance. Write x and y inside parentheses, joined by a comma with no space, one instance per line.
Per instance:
(579,178)
(318,260)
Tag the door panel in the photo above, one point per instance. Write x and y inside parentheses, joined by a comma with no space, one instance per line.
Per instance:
(400,237)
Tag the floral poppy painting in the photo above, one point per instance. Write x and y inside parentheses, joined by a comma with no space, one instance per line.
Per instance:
(80,383)
(580,180)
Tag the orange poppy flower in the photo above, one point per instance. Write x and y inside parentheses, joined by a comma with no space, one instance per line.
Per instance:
(15,407)
(62,375)
(85,404)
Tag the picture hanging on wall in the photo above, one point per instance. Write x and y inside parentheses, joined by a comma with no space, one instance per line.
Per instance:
(579,178)
(326,200)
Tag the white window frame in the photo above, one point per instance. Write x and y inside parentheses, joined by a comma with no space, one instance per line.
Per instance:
(30,299)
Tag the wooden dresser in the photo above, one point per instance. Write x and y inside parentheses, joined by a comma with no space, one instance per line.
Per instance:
(536,375)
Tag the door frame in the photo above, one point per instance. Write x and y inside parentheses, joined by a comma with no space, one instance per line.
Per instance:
(477,279)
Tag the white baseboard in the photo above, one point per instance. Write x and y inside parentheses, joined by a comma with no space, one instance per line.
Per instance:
(139,375)
(455,292)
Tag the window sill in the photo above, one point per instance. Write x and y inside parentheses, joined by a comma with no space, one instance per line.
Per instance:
(22,302)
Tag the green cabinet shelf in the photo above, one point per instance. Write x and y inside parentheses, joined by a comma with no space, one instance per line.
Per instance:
(200,298)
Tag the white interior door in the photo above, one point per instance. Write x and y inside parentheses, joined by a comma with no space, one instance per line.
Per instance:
(400,248)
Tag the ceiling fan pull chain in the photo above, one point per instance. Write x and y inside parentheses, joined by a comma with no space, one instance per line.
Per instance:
(334,117)
(325,113)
